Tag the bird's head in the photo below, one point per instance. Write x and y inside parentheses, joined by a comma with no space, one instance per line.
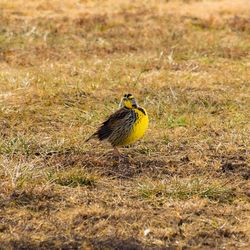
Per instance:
(128,101)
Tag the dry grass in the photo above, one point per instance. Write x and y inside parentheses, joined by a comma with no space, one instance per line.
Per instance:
(64,66)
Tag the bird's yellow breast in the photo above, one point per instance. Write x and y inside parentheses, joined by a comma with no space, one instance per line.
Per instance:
(139,127)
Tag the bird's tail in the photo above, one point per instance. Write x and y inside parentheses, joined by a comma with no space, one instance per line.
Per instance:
(91,137)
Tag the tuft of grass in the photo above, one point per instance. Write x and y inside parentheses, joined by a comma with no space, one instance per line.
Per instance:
(173,122)
(72,178)
(166,140)
(183,189)
(21,172)
(17,144)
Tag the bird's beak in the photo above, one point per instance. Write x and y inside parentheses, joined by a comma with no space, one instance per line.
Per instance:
(121,103)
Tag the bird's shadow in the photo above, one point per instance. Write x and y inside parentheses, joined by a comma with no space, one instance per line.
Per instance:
(106,164)
(125,167)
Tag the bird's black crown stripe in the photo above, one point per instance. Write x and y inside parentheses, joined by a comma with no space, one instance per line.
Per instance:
(128,95)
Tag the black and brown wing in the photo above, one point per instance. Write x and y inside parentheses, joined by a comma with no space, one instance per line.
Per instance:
(116,127)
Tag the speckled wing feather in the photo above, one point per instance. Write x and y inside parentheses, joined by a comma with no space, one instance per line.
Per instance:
(114,121)
(116,127)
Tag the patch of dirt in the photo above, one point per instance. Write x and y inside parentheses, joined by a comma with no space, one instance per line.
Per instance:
(212,239)
(124,244)
(82,243)
(236,165)
(238,23)
(33,200)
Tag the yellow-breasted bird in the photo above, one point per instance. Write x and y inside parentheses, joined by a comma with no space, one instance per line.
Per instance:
(127,125)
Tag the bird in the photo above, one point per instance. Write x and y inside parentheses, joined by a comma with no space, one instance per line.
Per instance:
(125,126)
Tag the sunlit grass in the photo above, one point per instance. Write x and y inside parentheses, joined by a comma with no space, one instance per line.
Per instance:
(72,178)
(64,66)
(183,189)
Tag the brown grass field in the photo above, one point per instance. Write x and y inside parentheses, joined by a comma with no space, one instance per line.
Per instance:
(64,66)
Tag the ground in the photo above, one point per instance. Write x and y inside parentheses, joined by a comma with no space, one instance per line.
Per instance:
(64,66)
